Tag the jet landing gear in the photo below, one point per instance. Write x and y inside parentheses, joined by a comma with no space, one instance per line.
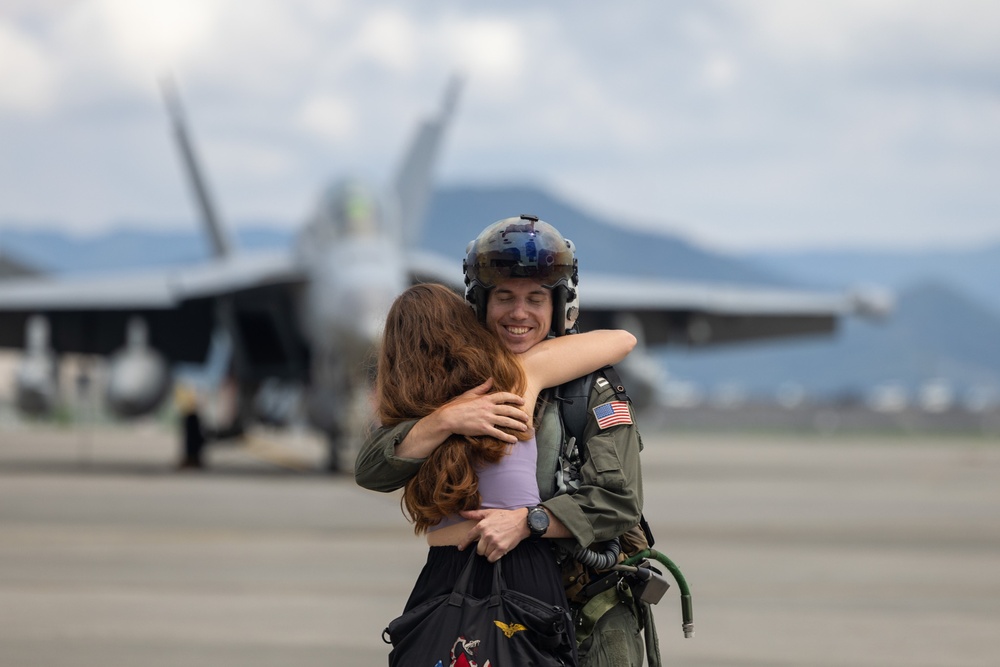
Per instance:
(336,453)
(195,435)
(344,438)
(193,440)
(191,432)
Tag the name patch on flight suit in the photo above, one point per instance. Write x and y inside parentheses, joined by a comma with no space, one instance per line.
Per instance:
(613,413)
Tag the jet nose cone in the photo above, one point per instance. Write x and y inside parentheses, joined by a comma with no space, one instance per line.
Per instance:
(350,307)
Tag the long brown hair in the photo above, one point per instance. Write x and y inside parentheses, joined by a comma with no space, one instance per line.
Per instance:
(433,349)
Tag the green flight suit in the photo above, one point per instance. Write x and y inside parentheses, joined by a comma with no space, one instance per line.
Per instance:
(607,504)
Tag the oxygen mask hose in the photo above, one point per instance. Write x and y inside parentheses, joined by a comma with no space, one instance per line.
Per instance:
(687,613)
(600,560)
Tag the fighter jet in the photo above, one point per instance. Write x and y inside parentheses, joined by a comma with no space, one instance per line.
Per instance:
(307,317)
(298,327)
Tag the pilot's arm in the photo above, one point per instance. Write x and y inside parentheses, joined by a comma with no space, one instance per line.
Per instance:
(609,500)
(378,467)
(390,456)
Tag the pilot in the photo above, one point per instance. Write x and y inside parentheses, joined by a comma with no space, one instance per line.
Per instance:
(594,501)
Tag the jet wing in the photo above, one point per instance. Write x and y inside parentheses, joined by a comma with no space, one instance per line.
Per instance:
(88,315)
(701,314)
(666,312)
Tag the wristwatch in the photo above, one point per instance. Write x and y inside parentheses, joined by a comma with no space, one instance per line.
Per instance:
(538,521)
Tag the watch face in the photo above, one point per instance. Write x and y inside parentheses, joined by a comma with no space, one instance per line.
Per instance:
(538,520)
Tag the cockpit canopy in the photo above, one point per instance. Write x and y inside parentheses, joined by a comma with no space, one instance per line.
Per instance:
(350,209)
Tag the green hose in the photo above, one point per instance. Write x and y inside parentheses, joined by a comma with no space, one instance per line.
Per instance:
(687,613)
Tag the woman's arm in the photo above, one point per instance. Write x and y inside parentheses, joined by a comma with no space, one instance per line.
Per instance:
(557,360)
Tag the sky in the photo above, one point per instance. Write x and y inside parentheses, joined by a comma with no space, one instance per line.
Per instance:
(763,125)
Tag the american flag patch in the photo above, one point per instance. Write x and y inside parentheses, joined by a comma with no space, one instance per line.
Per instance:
(612,414)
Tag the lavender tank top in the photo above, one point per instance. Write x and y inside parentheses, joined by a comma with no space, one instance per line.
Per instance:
(507,484)
(510,482)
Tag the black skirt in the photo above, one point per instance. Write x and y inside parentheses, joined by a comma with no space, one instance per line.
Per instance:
(529,568)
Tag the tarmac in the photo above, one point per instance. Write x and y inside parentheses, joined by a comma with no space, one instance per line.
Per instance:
(804,550)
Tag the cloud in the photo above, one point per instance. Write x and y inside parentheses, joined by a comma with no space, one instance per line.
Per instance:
(28,81)
(875,33)
(150,34)
(328,117)
(750,122)
(720,71)
(388,38)
(491,47)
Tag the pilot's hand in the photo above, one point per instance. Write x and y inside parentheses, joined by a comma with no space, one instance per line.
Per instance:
(479,412)
(497,532)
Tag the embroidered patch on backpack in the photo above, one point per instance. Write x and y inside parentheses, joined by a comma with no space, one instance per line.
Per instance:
(462,652)
(612,414)
(509,628)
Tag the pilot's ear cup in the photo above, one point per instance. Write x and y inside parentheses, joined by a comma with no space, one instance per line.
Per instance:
(559,295)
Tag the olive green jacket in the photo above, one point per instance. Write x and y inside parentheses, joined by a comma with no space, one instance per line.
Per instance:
(609,501)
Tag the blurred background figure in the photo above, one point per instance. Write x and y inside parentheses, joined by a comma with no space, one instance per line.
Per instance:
(192,436)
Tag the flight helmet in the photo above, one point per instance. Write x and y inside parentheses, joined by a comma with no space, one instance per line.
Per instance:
(524,247)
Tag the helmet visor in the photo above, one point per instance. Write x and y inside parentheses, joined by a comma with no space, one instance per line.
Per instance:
(497,270)
(513,249)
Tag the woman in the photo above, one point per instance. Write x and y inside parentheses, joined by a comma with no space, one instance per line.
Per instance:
(435,349)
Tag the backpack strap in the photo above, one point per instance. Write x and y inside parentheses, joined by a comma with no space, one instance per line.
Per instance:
(574,397)
(616,382)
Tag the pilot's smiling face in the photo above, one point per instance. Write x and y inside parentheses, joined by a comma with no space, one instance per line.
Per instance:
(519,310)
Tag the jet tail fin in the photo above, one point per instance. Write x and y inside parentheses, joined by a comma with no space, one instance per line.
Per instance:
(413,179)
(220,242)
